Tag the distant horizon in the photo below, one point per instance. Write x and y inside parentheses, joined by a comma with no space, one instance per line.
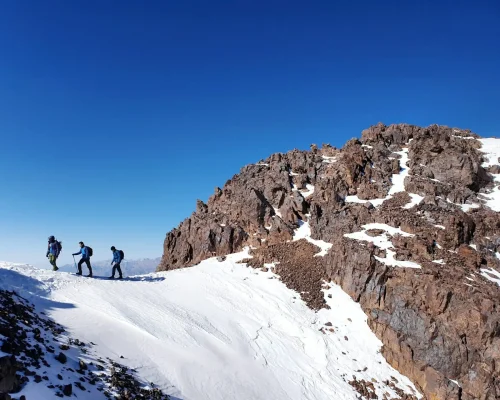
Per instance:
(115,118)
(96,261)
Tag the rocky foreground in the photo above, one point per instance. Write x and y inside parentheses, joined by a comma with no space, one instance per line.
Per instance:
(37,351)
(411,216)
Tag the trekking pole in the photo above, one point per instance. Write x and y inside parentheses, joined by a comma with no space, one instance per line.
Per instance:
(75,263)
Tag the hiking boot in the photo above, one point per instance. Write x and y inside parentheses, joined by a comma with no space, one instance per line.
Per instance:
(88,276)
(111,277)
(120,277)
(55,269)
(78,273)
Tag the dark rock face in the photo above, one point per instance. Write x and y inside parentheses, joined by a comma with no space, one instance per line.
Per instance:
(68,390)
(9,381)
(439,323)
(61,357)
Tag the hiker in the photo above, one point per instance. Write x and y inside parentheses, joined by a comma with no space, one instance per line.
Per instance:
(53,250)
(117,259)
(86,253)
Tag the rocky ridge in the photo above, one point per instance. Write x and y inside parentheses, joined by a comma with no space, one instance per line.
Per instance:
(414,229)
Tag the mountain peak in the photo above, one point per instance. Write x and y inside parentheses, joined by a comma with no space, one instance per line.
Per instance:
(411,217)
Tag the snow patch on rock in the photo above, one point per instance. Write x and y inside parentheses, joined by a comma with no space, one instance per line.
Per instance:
(329,160)
(382,241)
(304,232)
(397,185)
(491,274)
(491,149)
(308,192)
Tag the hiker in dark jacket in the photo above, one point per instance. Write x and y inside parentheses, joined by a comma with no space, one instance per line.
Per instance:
(117,259)
(53,251)
(84,251)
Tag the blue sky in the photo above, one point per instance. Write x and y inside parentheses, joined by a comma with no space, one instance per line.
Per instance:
(115,116)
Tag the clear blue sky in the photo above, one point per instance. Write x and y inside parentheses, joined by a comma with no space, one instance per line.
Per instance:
(115,116)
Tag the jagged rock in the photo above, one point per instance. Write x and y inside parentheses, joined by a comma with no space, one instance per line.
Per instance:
(68,389)
(82,365)
(436,325)
(61,357)
(9,381)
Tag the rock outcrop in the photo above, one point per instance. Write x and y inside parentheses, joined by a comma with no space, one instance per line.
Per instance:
(414,240)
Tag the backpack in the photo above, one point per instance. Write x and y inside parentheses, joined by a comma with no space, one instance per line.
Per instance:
(59,246)
(122,254)
(90,251)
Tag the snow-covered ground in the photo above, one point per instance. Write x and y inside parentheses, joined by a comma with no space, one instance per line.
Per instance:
(215,331)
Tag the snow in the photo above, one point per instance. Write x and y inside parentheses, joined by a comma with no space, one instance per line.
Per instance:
(293,173)
(440,227)
(491,149)
(367,146)
(308,192)
(491,274)
(304,232)
(465,207)
(329,160)
(464,137)
(473,246)
(356,199)
(415,200)
(438,261)
(398,180)
(263,164)
(390,260)
(218,330)
(382,241)
(277,212)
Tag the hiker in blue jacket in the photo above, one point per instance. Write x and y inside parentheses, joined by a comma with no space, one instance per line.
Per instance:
(117,259)
(84,251)
(53,250)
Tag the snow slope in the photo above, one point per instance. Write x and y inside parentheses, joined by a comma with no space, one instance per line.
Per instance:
(216,331)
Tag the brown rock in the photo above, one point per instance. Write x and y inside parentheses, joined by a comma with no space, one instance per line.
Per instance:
(433,325)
